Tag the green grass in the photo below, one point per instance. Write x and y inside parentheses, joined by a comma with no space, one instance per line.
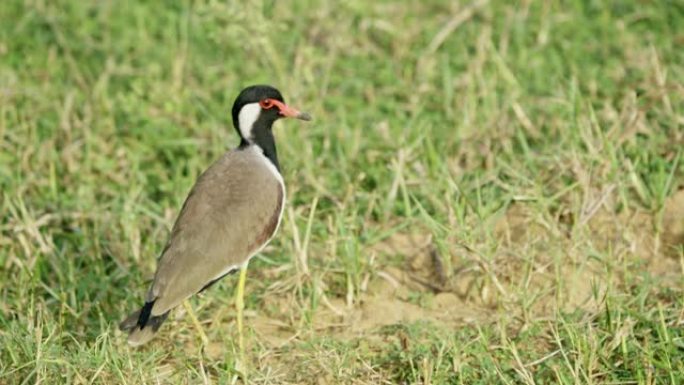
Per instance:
(489,193)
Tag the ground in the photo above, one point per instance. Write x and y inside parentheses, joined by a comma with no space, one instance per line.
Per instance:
(490,192)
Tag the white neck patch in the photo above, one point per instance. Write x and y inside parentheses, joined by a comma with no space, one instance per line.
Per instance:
(247,116)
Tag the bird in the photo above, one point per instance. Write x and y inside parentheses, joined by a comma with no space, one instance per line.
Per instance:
(230,214)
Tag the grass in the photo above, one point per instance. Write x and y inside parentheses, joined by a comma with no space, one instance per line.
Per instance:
(490,193)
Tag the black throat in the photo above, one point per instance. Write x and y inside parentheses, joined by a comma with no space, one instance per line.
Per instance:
(262,136)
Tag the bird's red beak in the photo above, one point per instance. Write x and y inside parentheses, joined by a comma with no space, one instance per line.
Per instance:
(290,112)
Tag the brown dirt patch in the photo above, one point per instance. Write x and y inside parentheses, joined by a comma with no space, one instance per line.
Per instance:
(673,225)
(536,265)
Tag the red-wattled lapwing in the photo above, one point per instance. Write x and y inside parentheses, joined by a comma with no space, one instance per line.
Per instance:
(231,213)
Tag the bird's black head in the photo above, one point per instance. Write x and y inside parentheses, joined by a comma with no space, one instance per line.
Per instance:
(254,112)
(258,107)
(254,95)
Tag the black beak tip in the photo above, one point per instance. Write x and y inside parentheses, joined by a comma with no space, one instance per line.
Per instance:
(304,116)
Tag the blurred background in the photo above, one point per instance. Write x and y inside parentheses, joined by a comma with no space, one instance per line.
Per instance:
(490,191)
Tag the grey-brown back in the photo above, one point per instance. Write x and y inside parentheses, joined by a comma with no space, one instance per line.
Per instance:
(231,213)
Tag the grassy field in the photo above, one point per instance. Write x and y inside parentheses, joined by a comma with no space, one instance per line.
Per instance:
(490,192)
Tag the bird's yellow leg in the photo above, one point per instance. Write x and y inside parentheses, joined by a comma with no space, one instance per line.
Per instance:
(239,306)
(195,322)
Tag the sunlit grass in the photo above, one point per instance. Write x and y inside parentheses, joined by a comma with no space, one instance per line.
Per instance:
(489,192)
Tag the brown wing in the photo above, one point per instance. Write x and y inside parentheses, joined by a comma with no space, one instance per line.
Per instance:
(231,212)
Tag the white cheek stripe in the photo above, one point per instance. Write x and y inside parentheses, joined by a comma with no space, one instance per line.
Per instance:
(247,116)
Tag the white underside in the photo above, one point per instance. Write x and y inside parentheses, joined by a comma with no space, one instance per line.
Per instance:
(279,178)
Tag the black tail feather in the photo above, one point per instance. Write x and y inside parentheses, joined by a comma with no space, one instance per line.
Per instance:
(145,313)
(142,325)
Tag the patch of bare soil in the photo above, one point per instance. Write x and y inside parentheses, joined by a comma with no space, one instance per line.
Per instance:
(529,266)
(540,265)
(543,264)
(391,300)
(420,289)
(415,291)
(642,236)
(673,225)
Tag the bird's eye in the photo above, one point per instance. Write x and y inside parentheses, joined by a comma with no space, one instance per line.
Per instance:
(266,104)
